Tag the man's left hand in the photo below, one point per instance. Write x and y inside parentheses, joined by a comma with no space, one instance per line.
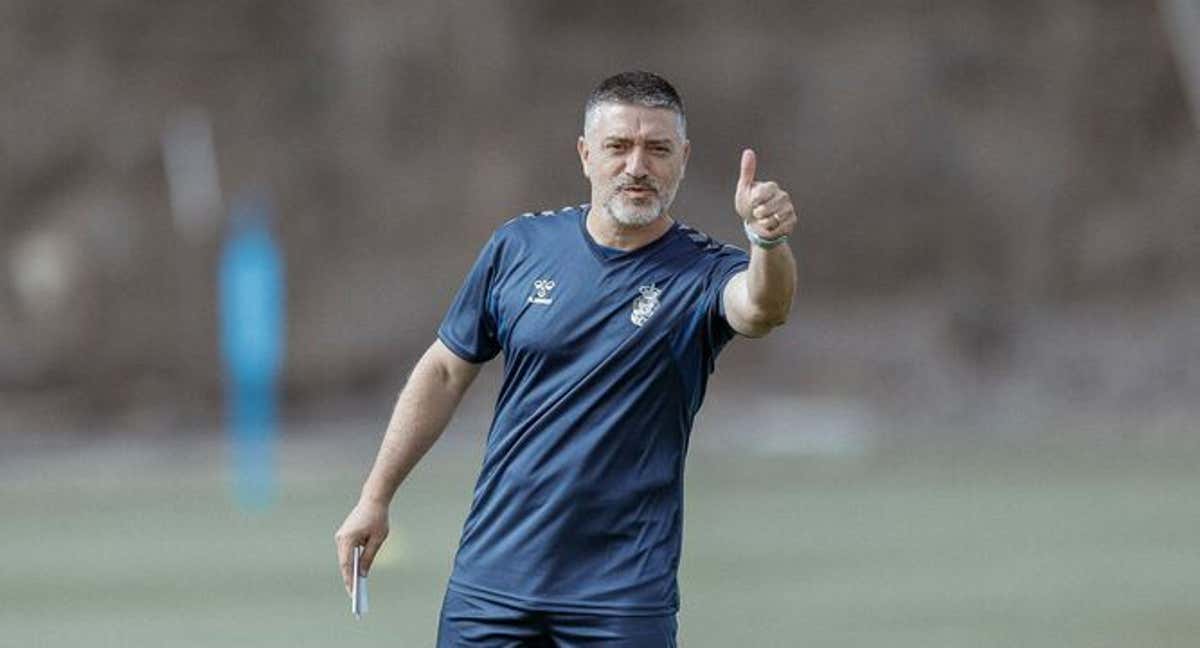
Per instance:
(765,207)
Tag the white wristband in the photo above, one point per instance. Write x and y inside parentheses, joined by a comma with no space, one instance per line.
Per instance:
(762,242)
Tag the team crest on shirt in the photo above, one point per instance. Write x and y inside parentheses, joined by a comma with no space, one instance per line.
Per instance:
(541,292)
(645,305)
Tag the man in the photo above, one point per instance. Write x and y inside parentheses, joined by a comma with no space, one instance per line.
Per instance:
(610,316)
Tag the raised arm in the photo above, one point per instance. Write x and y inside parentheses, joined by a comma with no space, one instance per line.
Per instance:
(422,411)
(759,298)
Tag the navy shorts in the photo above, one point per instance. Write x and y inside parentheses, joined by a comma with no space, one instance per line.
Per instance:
(471,621)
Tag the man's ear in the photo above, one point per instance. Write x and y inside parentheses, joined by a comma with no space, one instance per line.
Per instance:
(582,147)
(687,155)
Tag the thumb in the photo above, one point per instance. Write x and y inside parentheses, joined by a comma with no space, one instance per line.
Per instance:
(749,165)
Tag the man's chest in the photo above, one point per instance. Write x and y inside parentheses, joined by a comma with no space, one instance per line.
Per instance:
(562,306)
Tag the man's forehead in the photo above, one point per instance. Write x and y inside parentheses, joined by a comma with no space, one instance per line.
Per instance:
(627,120)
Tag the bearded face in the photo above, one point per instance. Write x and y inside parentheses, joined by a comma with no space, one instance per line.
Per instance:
(634,157)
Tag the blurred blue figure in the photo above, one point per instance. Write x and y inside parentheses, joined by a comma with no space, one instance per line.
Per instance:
(253,340)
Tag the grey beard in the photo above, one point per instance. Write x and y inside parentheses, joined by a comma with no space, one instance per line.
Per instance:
(630,216)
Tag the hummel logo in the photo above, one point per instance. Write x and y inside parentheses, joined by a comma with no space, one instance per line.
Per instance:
(644,306)
(541,292)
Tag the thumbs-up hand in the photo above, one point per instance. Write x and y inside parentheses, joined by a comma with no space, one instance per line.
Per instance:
(765,207)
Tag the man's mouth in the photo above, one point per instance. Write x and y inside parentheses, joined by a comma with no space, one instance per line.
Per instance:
(638,191)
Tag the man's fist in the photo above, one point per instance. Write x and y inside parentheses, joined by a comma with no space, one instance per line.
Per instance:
(366,526)
(763,205)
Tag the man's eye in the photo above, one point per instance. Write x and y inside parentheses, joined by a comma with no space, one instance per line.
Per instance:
(615,146)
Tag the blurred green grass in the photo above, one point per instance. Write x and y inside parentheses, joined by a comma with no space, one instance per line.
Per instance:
(989,548)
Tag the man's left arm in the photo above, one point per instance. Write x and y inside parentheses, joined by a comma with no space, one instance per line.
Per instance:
(759,298)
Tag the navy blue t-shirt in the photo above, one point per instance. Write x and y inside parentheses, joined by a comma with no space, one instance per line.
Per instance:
(579,502)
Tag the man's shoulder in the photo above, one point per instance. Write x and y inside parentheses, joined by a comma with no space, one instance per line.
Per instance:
(705,244)
(532,231)
(533,222)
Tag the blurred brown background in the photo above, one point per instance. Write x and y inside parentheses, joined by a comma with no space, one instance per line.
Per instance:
(978,428)
(999,199)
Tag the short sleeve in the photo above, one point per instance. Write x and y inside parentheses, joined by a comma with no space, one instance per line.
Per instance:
(727,261)
(469,327)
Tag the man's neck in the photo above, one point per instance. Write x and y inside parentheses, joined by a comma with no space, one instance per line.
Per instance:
(606,231)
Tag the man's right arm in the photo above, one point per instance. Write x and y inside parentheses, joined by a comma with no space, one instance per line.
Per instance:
(422,412)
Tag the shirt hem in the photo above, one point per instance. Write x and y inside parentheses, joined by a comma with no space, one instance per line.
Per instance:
(558,606)
(741,266)
(461,351)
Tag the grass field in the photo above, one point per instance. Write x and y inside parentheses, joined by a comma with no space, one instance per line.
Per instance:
(135,546)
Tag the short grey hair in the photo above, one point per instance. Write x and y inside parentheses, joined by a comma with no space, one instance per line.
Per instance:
(636,88)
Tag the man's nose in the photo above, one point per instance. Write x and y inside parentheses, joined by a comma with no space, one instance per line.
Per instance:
(635,164)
